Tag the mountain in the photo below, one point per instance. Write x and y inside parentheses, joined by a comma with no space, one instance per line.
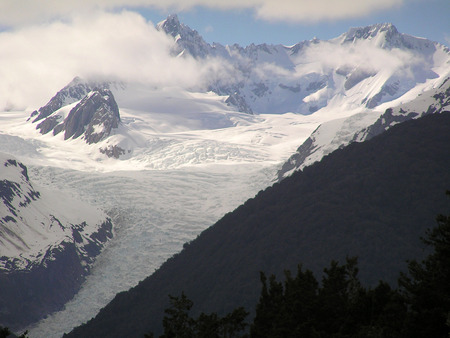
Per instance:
(372,200)
(373,68)
(371,65)
(47,245)
(175,156)
(187,39)
(335,134)
(74,91)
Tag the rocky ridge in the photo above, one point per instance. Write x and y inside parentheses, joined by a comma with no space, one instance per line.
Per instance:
(337,134)
(46,246)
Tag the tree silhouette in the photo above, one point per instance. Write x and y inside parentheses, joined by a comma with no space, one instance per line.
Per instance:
(179,324)
(427,286)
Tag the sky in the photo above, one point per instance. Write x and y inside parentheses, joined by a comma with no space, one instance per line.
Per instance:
(45,43)
(253,21)
(422,18)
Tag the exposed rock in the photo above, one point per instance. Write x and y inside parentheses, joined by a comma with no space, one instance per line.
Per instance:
(316,85)
(433,101)
(73,92)
(27,296)
(239,102)
(95,116)
(48,124)
(387,89)
(294,89)
(185,37)
(260,89)
(45,252)
(112,151)
(356,77)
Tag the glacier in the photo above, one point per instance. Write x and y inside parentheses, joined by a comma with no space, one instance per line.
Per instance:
(191,154)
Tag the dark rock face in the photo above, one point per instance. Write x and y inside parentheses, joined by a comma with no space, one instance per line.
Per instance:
(32,286)
(113,151)
(73,92)
(372,200)
(294,89)
(10,190)
(387,89)
(95,116)
(356,77)
(439,101)
(299,156)
(27,296)
(48,124)
(185,37)
(239,102)
(364,33)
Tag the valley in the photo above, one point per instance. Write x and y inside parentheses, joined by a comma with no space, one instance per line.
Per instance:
(184,151)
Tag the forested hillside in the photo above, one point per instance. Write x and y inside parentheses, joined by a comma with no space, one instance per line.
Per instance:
(372,200)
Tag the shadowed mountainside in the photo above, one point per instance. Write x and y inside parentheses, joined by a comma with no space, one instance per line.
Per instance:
(372,200)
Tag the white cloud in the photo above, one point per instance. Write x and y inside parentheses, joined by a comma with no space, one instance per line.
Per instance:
(364,54)
(447,38)
(37,61)
(319,10)
(20,12)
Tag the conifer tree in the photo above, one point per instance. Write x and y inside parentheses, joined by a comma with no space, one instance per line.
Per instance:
(427,286)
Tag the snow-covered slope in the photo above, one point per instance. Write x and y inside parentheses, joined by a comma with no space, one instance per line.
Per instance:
(366,66)
(363,71)
(33,224)
(42,233)
(183,155)
(335,134)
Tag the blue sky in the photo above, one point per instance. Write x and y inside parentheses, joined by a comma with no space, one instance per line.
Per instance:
(57,40)
(252,21)
(429,19)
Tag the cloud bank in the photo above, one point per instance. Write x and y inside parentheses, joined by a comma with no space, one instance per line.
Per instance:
(22,12)
(37,61)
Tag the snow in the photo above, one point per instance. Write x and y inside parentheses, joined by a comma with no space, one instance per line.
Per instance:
(35,227)
(190,158)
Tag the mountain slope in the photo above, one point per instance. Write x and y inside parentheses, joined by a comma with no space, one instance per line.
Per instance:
(74,91)
(373,68)
(244,113)
(370,66)
(372,199)
(335,134)
(47,244)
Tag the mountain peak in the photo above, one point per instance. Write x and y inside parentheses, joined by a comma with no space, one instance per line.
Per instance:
(95,116)
(370,32)
(171,25)
(186,38)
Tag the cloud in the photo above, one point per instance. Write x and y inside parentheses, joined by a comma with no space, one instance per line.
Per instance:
(363,54)
(37,61)
(209,29)
(447,38)
(319,10)
(22,12)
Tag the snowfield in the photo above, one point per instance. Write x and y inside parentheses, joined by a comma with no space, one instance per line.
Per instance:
(184,172)
(189,156)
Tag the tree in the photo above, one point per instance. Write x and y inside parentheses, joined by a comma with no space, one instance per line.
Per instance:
(179,324)
(339,307)
(427,286)
(4,332)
